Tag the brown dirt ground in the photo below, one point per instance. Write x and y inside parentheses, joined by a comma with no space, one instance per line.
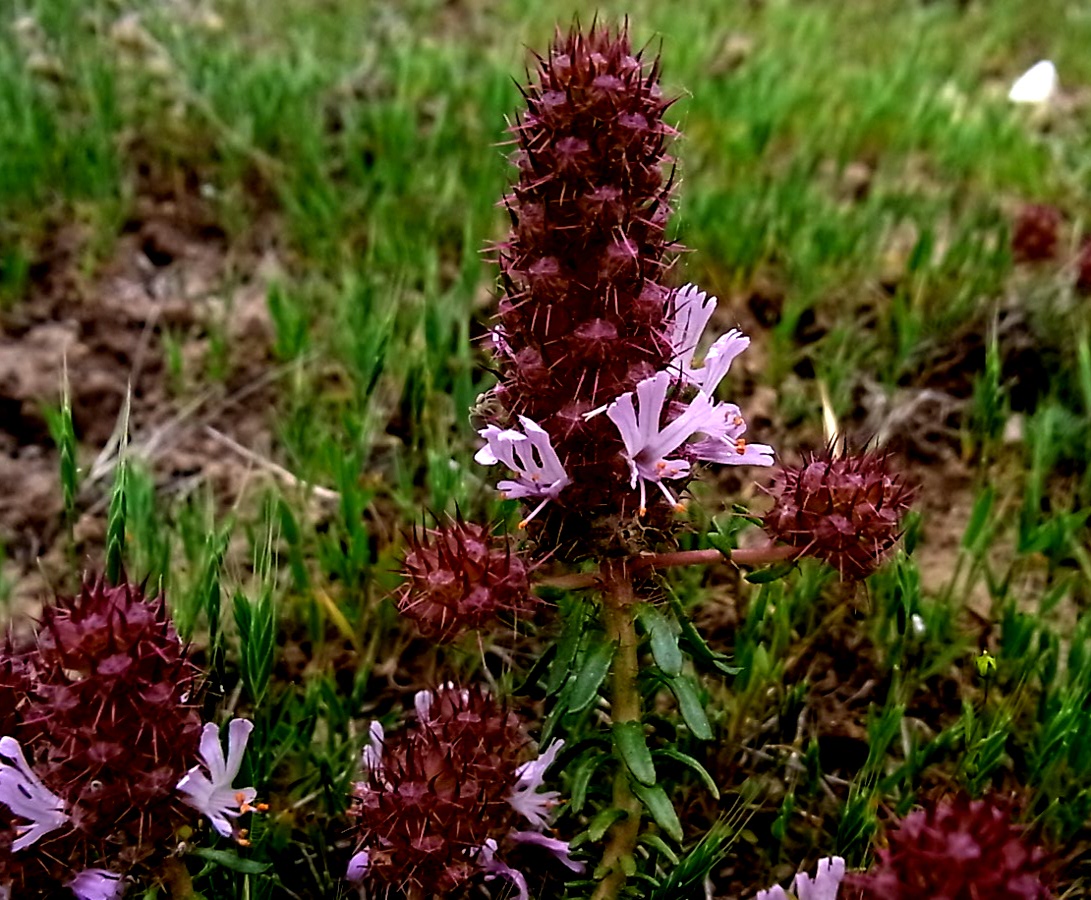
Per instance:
(171,272)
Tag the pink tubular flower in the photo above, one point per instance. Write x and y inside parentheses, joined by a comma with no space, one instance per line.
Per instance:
(525,796)
(725,443)
(215,797)
(538,470)
(649,444)
(692,311)
(824,886)
(97,884)
(23,792)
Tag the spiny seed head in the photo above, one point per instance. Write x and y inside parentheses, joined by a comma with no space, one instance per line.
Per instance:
(584,313)
(1036,232)
(440,791)
(959,850)
(461,577)
(107,726)
(1083,268)
(845,510)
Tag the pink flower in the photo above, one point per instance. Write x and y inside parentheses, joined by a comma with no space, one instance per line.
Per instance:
(23,792)
(215,797)
(824,886)
(725,443)
(692,310)
(648,444)
(526,798)
(538,470)
(97,884)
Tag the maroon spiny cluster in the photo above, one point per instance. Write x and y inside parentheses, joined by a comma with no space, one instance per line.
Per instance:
(1083,267)
(584,311)
(105,721)
(1037,233)
(957,850)
(435,794)
(844,510)
(461,577)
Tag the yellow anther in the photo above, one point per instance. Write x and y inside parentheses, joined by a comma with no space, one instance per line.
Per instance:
(522,525)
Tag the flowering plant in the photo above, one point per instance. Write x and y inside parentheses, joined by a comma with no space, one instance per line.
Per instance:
(103,753)
(605,408)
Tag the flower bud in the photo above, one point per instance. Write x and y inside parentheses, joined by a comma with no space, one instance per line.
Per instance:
(461,577)
(846,511)
(1036,233)
(956,848)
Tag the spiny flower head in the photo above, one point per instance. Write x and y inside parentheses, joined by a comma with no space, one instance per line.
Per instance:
(1036,233)
(94,761)
(109,709)
(584,312)
(1083,267)
(440,799)
(461,577)
(959,850)
(845,510)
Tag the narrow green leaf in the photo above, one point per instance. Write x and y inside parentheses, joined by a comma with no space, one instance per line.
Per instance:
(698,649)
(567,647)
(771,573)
(689,704)
(688,761)
(664,642)
(633,750)
(660,846)
(116,516)
(582,779)
(593,668)
(541,664)
(232,861)
(978,517)
(658,804)
(599,825)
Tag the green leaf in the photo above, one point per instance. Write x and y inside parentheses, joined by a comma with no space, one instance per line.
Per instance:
(658,804)
(593,668)
(117,514)
(633,750)
(689,704)
(698,649)
(978,517)
(599,825)
(664,642)
(232,861)
(771,573)
(567,646)
(582,779)
(660,846)
(537,670)
(688,761)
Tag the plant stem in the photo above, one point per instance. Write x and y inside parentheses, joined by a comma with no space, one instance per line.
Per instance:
(753,556)
(617,617)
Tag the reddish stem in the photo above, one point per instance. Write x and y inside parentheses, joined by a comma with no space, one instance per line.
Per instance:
(752,556)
